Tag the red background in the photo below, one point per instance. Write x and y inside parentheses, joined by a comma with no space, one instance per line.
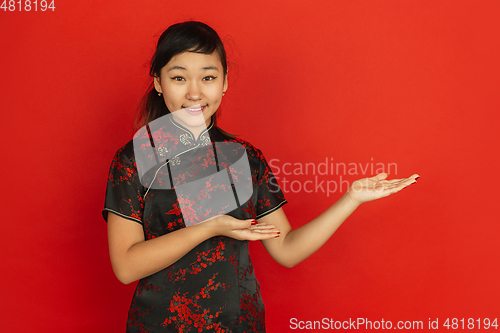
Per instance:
(407,82)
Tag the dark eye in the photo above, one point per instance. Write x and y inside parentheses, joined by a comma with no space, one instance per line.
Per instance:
(209,78)
(177,78)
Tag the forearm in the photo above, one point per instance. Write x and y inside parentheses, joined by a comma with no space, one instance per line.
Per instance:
(300,243)
(150,256)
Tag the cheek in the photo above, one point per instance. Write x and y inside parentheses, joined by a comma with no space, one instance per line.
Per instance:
(215,91)
(173,96)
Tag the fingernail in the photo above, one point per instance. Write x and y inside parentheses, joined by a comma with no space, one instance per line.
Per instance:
(254,222)
(279,232)
(276,236)
(417,177)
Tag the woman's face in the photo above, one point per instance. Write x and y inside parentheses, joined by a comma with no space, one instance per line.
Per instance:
(192,85)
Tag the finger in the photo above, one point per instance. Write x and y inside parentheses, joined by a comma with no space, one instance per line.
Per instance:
(391,181)
(265,236)
(251,223)
(380,176)
(398,185)
(257,236)
(413,177)
(266,230)
(402,186)
(409,181)
(406,181)
(397,182)
(262,227)
(275,234)
(388,189)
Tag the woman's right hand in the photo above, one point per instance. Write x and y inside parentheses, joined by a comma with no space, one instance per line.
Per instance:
(225,225)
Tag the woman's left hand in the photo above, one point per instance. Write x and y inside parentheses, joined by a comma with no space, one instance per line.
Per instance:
(368,189)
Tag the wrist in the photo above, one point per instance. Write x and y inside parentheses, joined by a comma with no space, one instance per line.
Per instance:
(211,226)
(351,199)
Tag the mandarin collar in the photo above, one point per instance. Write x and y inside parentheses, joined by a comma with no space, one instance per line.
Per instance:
(208,130)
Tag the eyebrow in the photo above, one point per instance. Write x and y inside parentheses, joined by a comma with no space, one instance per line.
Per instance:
(183,68)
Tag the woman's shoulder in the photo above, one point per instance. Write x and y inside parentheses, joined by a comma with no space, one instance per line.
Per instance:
(125,154)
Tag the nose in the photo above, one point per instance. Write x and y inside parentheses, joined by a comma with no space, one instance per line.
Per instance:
(194,91)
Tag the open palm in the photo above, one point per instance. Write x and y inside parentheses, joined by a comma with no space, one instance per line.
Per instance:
(368,189)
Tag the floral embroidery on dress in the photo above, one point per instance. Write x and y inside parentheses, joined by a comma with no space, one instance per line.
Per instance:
(175,161)
(186,139)
(163,151)
(205,139)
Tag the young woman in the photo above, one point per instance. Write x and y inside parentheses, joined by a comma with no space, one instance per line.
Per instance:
(199,277)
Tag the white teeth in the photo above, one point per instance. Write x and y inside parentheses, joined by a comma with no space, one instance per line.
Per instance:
(195,109)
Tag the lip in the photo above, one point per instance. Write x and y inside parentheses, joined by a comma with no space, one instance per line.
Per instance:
(195,109)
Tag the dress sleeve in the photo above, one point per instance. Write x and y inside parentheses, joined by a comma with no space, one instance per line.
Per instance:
(124,192)
(269,194)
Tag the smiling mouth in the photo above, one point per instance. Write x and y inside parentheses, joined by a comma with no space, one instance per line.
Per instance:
(195,109)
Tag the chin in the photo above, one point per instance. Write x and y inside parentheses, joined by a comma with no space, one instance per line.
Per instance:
(195,123)
(190,120)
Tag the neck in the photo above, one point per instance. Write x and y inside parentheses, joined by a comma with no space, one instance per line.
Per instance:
(195,130)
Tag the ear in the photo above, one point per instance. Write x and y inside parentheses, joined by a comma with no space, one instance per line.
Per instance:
(224,88)
(157,84)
